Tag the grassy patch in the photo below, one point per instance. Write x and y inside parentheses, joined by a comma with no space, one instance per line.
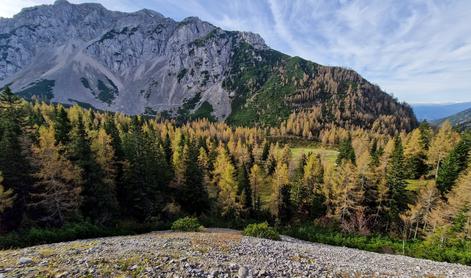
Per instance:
(181,74)
(149,111)
(327,155)
(415,185)
(85,83)
(41,90)
(107,93)
(82,104)
(204,111)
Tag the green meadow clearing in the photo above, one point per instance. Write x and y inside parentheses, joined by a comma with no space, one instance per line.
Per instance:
(327,155)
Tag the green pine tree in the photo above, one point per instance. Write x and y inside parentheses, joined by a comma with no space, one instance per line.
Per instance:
(62,126)
(396,184)
(98,201)
(244,187)
(453,165)
(13,163)
(346,151)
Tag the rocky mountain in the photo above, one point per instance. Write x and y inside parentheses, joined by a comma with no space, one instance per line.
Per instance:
(144,62)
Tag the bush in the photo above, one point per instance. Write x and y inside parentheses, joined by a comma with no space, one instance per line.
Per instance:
(457,253)
(261,230)
(187,224)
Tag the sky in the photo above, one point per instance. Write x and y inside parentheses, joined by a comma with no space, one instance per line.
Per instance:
(417,50)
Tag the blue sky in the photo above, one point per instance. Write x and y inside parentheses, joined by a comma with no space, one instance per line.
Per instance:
(418,50)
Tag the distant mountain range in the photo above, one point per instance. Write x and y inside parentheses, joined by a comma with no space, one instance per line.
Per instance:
(461,120)
(434,112)
(146,63)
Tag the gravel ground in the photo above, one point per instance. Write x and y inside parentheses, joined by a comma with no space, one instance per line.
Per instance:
(213,253)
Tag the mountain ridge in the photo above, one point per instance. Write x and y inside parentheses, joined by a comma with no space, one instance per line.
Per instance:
(146,63)
(460,120)
(437,111)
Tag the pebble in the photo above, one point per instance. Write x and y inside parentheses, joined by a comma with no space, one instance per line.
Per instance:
(233,266)
(25,260)
(61,275)
(213,274)
(243,272)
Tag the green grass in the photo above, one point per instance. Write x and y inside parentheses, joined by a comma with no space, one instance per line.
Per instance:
(82,104)
(41,89)
(327,155)
(181,74)
(106,93)
(204,111)
(415,185)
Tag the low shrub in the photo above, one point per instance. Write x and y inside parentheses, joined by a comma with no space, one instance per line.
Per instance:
(186,224)
(458,253)
(68,232)
(261,230)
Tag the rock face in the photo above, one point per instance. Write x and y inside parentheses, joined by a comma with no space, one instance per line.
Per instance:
(116,61)
(213,253)
(143,62)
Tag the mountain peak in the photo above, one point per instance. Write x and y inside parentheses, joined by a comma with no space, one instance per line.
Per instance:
(61,2)
(143,62)
(150,13)
(192,19)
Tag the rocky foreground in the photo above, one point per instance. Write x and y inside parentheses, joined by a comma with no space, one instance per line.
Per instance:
(214,253)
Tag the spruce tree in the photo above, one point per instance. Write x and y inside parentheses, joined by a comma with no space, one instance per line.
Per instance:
(396,184)
(193,195)
(346,151)
(426,134)
(145,176)
(374,154)
(98,201)
(112,130)
(6,197)
(62,126)
(13,163)
(453,165)
(104,155)
(244,187)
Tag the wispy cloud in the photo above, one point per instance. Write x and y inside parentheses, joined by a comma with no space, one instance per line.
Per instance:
(418,50)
